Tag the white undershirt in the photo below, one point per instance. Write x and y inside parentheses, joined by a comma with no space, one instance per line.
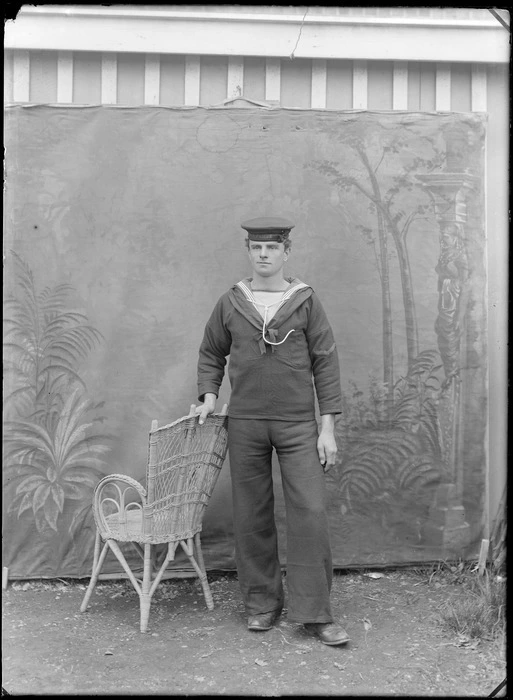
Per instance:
(269,301)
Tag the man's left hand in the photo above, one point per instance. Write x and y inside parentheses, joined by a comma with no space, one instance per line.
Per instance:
(327,449)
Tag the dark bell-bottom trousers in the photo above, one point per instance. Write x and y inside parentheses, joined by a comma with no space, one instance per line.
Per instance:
(309,564)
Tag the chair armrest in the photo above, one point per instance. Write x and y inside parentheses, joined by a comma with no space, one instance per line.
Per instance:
(110,501)
(121,477)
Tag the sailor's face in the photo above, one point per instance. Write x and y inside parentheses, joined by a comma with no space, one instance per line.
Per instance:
(267,257)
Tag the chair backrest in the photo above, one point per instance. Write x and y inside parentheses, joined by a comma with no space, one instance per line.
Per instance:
(184,462)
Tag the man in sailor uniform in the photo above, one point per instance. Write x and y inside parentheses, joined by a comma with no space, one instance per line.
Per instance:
(282,355)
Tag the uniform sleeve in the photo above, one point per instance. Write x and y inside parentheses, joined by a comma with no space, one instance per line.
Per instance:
(214,349)
(324,359)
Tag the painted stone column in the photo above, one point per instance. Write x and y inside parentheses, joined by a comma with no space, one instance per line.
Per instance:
(449,191)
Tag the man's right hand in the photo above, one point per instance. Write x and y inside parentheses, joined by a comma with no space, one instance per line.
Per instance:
(208,406)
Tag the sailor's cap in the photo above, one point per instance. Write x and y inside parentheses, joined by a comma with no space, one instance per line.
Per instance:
(268,228)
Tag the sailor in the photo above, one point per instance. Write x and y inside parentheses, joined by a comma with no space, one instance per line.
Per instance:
(283,358)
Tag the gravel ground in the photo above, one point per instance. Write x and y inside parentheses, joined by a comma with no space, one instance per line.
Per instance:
(398,646)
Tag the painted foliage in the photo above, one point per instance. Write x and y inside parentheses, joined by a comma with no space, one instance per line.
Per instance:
(123,228)
(53,452)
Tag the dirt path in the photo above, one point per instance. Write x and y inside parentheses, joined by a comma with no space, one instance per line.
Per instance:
(397,644)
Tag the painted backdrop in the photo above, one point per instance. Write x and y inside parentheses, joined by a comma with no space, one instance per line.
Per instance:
(122,230)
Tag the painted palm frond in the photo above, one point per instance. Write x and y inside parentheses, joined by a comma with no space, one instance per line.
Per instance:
(84,452)
(68,446)
(27,502)
(50,468)
(25,357)
(62,338)
(17,318)
(16,472)
(83,481)
(416,400)
(360,483)
(63,354)
(45,342)
(418,474)
(26,435)
(71,423)
(374,458)
(25,280)
(59,376)
(22,397)
(52,300)
(406,410)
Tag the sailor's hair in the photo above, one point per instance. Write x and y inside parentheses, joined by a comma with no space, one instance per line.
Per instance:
(287,243)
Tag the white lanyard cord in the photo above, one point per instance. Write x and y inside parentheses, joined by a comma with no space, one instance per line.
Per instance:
(251,298)
(270,342)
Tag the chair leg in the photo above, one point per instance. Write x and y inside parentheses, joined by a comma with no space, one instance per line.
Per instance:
(199,567)
(199,552)
(204,581)
(145,595)
(98,560)
(143,588)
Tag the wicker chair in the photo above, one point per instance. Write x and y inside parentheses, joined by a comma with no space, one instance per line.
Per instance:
(184,462)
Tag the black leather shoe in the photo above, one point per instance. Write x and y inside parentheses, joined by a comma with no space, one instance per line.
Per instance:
(328,632)
(263,621)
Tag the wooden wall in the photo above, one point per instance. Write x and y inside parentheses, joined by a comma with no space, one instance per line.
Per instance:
(62,77)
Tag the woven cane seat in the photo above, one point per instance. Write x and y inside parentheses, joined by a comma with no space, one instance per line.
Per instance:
(128,527)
